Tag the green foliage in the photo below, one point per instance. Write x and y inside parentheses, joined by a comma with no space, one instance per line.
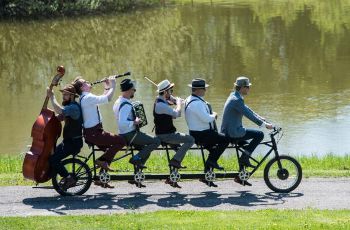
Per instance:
(44,8)
(262,219)
(313,166)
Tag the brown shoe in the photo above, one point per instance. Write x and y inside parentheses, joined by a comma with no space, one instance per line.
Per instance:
(176,164)
(104,165)
(103,185)
(239,181)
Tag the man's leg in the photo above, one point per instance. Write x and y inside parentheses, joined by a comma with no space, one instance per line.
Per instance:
(57,157)
(148,144)
(63,150)
(214,142)
(178,138)
(256,136)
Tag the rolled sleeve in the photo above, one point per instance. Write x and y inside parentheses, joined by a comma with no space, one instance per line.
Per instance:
(97,100)
(72,111)
(162,108)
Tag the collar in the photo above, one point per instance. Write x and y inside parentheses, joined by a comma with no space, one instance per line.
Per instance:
(238,95)
(125,99)
(161,98)
(84,93)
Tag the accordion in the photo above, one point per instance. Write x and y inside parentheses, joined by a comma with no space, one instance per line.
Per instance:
(139,112)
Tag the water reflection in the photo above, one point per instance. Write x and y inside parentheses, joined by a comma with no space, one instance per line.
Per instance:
(296,53)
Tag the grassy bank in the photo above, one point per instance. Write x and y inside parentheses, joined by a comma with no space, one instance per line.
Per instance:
(313,166)
(262,219)
(54,8)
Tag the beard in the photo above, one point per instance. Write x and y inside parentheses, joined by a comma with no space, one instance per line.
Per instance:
(64,103)
(132,96)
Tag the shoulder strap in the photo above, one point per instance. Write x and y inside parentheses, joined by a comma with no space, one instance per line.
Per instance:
(187,104)
(98,111)
(132,108)
(124,103)
(81,111)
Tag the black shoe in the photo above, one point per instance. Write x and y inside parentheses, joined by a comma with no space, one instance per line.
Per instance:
(172,184)
(239,181)
(68,182)
(209,183)
(213,164)
(139,185)
(137,162)
(176,164)
(244,160)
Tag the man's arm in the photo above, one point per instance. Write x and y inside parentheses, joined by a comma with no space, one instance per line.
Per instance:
(109,85)
(56,106)
(162,108)
(247,112)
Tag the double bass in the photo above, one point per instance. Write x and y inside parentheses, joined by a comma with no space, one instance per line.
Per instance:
(45,132)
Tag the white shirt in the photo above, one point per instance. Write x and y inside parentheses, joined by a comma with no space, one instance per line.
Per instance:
(124,116)
(197,114)
(89,105)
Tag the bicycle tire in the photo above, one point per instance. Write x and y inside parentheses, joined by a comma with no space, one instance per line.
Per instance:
(282,174)
(81,173)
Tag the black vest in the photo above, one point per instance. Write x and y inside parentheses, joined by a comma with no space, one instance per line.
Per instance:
(163,122)
(73,128)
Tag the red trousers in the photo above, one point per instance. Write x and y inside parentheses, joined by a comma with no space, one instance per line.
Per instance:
(108,142)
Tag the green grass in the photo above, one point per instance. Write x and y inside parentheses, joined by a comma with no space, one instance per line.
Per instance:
(313,166)
(262,219)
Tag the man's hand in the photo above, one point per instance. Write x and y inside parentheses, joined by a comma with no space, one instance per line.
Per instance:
(216,115)
(178,101)
(49,92)
(269,126)
(112,81)
(137,121)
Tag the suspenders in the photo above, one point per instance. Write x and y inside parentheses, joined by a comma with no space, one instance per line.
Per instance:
(209,108)
(98,111)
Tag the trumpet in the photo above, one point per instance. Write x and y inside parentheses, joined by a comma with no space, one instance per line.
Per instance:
(112,77)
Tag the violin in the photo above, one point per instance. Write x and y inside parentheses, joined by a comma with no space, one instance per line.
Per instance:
(172,100)
(45,132)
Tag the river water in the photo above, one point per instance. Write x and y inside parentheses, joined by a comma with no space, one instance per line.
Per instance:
(296,53)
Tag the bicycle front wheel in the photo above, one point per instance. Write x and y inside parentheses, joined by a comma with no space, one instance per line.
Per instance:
(80,172)
(283,174)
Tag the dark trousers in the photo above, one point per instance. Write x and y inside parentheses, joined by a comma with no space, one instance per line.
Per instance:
(108,142)
(212,141)
(256,136)
(64,149)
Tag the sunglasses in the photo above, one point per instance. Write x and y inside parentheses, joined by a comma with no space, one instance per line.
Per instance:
(247,86)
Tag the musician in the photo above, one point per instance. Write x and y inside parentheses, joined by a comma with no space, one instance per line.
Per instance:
(234,110)
(72,132)
(163,120)
(201,122)
(93,129)
(128,125)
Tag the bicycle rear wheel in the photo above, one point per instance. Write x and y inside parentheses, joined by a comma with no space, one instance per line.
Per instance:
(80,172)
(284,178)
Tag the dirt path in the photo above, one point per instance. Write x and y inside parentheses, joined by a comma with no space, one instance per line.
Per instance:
(330,193)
